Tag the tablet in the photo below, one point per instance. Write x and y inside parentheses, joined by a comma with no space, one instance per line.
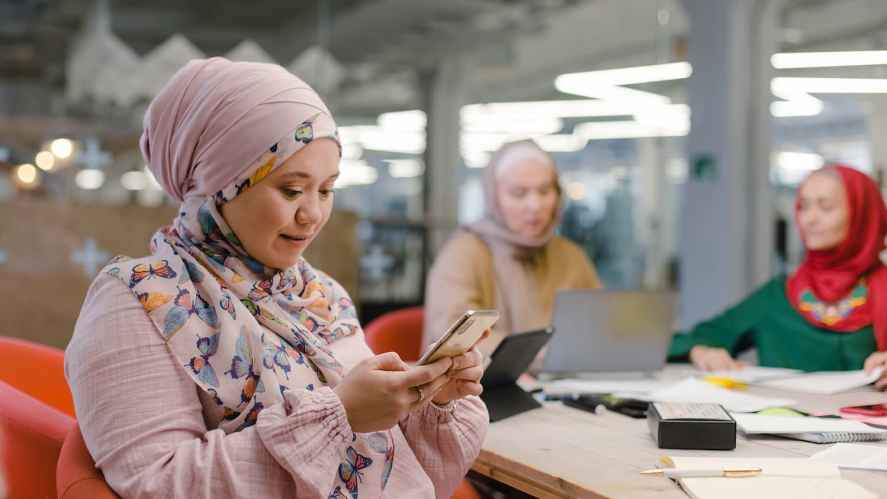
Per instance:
(513,357)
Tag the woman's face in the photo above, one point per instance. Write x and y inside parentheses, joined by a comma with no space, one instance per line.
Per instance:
(527,195)
(278,218)
(823,215)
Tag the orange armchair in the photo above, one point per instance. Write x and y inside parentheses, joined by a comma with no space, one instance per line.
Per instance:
(399,331)
(32,434)
(37,370)
(76,476)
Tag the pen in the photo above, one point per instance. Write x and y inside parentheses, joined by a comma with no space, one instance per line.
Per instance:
(725,472)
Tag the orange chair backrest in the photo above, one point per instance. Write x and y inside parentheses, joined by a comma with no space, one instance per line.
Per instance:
(32,434)
(76,475)
(399,331)
(37,370)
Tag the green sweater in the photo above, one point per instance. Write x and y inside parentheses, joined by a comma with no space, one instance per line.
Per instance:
(783,338)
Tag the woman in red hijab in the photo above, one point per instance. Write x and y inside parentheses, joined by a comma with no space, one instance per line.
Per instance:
(831,313)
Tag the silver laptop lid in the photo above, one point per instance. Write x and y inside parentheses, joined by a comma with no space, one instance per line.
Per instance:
(607,331)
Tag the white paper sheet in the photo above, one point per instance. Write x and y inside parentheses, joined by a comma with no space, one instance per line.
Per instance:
(580,386)
(855,456)
(694,390)
(825,383)
(753,374)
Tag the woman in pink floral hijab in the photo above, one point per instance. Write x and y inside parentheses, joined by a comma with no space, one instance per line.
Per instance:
(223,364)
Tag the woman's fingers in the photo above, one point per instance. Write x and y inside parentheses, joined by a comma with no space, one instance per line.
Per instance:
(428,391)
(474,373)
(877,359)
(467,360)
(467,388)
(421,375)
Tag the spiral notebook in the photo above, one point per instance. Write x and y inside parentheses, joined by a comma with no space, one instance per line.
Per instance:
(809,429)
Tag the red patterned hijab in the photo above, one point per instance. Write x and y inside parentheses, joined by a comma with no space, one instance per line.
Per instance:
(843,289)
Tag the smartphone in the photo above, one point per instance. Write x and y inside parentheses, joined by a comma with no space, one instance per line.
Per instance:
(461,336)
(875,410)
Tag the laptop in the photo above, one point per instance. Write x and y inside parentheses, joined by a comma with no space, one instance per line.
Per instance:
(600,331)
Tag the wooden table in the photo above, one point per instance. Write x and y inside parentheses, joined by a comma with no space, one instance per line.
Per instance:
(557,451)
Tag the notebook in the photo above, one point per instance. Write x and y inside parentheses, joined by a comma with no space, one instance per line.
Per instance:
(855,456)
(825,383)
(783,478)
(694,390)
(809,429)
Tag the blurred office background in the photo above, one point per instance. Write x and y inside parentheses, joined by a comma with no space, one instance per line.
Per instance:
(681,129)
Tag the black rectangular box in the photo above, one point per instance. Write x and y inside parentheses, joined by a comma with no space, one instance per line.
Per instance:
(691,426)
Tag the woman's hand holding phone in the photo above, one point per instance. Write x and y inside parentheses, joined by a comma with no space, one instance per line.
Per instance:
(464,375)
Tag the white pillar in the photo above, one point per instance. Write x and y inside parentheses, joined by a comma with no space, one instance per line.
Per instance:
(653,210)
(727,222)
(877,121)
(443,88)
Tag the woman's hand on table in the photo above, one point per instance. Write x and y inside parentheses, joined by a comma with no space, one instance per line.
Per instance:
(713,359)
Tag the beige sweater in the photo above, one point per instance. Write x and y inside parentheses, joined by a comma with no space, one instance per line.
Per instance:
(464,277)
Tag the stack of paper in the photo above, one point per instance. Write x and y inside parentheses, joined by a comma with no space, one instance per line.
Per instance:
(855,456)
(754,374)
(818,430)
(782,478)
(581,386)
(826,383)
(694,390)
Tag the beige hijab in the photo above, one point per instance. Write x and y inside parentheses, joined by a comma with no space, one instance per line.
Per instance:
(518,261)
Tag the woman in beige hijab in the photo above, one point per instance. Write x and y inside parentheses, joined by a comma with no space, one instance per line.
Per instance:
(510,260)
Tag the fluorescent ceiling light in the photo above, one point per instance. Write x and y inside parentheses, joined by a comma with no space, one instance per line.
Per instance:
(356,172)
(797,102)
(795,60)
(405,168)
(351,150)
(411,121)
(476,159)
(376,138)
(790,168)
(529,125)
(671,116)
(613,93)
(563,142)
(832,85)
(626,76)
(554,108)
(626,130)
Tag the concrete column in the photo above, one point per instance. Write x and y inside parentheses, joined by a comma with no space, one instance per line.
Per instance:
(877,122)
(443,89)
(726,245)
(653,210)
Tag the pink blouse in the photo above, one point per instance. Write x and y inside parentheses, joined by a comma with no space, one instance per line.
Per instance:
(154,434)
